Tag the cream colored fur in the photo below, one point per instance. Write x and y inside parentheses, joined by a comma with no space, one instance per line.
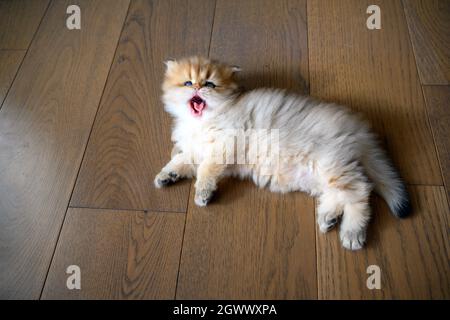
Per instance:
(324,149)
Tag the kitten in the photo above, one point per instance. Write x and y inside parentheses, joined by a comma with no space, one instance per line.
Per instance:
(316,147)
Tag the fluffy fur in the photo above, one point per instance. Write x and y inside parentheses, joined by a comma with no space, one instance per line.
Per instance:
(324,149)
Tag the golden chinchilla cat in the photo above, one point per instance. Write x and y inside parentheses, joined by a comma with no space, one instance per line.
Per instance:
(285,142)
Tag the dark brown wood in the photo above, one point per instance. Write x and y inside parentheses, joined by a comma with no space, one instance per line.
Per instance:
(250,243)
(130,142)
(412,254)
(121,255)
(267,39)
(44,126)
(374,72)
(438,103)
(9,64)
(19,20)
(429,26)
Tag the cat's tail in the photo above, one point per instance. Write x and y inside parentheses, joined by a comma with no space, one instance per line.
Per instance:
(388,183)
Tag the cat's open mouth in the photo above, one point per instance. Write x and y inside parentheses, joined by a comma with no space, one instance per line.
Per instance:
(197,105)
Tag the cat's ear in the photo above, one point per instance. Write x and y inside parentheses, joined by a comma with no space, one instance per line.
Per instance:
(170,63)
(235,69)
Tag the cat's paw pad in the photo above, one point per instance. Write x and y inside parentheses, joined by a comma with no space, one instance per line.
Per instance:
(203,196)
(326,225)
(165,178)
(354,239)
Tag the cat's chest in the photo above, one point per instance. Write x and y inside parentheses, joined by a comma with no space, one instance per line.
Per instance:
(196,140)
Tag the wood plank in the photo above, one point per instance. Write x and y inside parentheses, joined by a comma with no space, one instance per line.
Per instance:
(19,21)
(44,126)
(9,64)
(438,102)
(412,254)
(429,26)
(283,58)
(374,72)
(121,255)
(130,142)
(250,243)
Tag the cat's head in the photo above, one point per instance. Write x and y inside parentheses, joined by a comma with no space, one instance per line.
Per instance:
(195,86)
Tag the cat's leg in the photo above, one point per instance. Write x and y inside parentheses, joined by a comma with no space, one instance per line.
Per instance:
(208,175)
(329,209)
(354,224)
(354,196)
(180,166)
(346,193)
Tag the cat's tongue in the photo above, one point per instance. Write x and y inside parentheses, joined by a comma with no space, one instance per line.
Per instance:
(197,106)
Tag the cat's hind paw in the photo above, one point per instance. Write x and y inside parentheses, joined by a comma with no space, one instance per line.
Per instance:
(353,240)
(163,179)
(326,225)
(203,197)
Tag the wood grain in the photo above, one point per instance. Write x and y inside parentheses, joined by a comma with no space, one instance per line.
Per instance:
(267,39)
(438,103)
(19,20)
(121,255)
(374,72)
(130,142)
(250,243)
(412,253)
(429,26)
(9,64)
(44,127)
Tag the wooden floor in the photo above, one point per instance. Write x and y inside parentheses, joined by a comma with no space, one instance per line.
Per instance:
(83,133)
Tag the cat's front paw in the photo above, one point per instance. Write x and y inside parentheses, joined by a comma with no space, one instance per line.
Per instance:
(163,179)
(203,196)
(353,239)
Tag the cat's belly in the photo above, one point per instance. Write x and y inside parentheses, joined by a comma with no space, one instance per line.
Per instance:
(284,178)
(296,177)
(306,181)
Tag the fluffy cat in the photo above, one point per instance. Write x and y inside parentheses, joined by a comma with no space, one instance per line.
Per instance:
(321,148)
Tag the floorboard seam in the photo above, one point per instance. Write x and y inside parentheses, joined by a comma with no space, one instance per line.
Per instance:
(421,88)
(212,27)
(182,244)
(314,201)
(84,152)
(17,72)
(24,56)
(128,209)
(424,185)
(190,187)
(16,49)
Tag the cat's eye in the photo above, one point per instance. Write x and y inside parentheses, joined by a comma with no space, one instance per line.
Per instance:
(188,83)
(210,84)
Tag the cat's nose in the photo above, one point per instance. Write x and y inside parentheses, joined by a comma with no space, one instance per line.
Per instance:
(196,86)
